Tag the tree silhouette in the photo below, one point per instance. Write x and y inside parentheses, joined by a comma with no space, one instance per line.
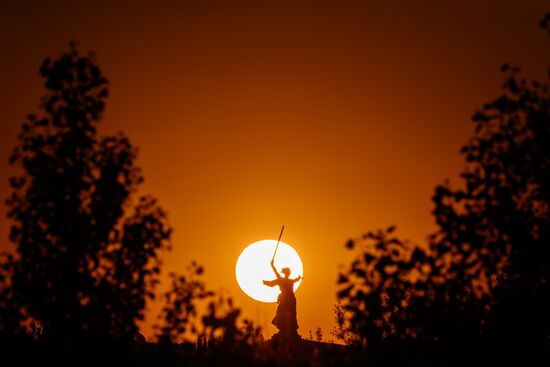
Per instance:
(11,317)
(484,274)
(495,230)
(86,256)
(343,331)
(178,318)
(182,321)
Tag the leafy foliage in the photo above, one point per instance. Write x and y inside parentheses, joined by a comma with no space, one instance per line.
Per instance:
(484,273)
(343,331)
(11,317)
(181,319)
(495,231)
(179,313)
(376,291)
(221,322)
(86,250)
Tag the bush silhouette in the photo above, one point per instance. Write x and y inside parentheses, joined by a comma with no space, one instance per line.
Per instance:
(177,321)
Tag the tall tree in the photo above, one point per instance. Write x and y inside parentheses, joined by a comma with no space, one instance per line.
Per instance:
(499,223)
(485,272)
(87,250)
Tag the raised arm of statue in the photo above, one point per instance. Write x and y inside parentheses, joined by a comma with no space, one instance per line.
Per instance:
(275,269)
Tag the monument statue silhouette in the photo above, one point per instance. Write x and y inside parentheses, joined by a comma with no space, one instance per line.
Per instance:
(285,317)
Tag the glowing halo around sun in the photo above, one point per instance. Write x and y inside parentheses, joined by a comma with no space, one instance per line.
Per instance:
(253,266)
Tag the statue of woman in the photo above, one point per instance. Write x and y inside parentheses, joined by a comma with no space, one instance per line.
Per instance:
(285,317)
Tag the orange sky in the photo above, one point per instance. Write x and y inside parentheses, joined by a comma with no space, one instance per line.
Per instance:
(331,117)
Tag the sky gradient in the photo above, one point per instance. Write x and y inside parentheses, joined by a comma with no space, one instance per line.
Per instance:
(330,117)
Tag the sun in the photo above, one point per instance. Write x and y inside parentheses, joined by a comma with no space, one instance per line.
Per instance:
(253,267)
